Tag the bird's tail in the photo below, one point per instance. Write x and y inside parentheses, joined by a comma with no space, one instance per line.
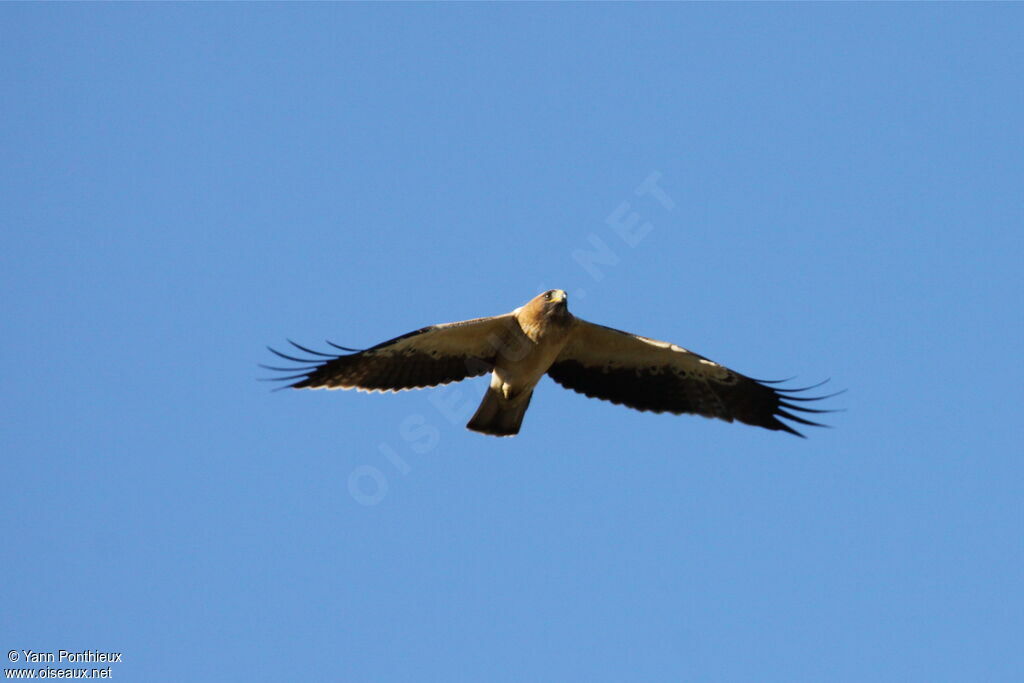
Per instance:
(499,416)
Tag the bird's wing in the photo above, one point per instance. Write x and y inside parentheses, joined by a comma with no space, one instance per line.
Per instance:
(434,355)
(647,374)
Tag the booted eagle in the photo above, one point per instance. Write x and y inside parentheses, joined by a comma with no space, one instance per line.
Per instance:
(540,337)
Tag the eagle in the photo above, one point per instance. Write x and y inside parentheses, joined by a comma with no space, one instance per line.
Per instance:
(543,337)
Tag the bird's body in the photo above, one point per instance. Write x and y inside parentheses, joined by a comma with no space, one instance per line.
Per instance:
(542,337)
(541,331)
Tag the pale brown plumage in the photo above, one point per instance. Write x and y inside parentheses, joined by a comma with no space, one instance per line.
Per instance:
(518,348)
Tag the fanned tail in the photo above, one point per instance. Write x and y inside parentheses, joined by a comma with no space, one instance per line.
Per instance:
(499,416)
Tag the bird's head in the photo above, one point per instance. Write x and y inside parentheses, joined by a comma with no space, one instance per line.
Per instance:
(552,304)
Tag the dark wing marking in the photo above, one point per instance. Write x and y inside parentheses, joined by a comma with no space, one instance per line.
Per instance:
(427,357)
(650,375)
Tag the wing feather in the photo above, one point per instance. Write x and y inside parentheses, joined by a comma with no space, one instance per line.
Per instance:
(438,354)
(650,375)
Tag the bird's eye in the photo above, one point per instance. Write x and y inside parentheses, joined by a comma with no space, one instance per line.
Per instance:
(547,296)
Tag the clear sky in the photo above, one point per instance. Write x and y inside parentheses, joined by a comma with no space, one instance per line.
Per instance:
(185,184)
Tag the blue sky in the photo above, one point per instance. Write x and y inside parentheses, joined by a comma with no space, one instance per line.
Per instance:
(184,184)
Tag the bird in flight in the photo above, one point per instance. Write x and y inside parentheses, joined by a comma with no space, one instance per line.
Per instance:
(543,337)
